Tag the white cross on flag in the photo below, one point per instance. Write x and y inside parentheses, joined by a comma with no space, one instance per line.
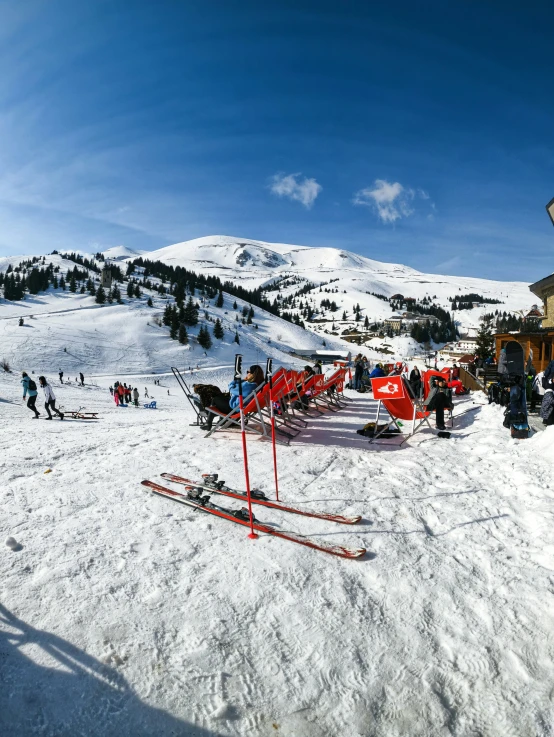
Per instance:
(387,387)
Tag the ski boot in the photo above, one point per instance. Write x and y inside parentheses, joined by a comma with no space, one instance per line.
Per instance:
(244,515)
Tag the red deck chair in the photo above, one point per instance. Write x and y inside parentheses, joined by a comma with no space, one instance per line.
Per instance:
(285,422)
(395,395)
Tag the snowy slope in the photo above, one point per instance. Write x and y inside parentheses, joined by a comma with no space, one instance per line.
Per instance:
(125,615)
(71,332)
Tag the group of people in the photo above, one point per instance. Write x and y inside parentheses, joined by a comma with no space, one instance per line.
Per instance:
(80,380)
(30,392)
(123,394)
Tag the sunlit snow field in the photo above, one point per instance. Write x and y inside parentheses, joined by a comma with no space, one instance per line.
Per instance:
(126,614)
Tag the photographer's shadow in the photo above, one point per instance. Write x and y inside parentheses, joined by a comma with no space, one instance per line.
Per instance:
(78,695)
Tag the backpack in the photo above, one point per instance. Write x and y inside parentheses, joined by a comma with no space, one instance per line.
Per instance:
(32,385)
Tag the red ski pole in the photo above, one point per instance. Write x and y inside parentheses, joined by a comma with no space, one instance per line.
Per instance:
(269,376)
(238,366)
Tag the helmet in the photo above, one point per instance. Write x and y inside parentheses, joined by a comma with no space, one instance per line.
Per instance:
(398,364)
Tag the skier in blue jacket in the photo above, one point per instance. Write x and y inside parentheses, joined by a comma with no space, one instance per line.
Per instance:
(254,378)
(30,388)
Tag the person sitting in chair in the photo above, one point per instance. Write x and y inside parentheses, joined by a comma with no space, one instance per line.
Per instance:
(254,378)
(439,399)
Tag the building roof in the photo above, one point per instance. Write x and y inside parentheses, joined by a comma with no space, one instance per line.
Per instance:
(539,286)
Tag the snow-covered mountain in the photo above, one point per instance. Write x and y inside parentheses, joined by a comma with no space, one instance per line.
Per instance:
(119,253)
(255,263)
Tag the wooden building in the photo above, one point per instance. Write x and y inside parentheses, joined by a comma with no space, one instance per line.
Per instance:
(544,289)
(541,342)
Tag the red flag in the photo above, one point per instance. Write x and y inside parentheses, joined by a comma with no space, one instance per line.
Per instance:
(388,387)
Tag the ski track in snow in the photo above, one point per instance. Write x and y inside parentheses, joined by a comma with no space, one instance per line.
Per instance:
(135,615)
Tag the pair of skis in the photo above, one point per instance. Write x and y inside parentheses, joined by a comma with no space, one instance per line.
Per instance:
(210,485)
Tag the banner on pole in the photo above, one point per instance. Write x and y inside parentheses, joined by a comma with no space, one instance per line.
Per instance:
(388,387)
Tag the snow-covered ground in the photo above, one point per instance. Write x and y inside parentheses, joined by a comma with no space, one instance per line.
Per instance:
(126,614)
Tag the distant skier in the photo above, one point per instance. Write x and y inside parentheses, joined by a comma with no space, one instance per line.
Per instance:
(60,374)
(146,393)
(21,323)
(50,399)
(30,388)
(111,390)
(136,396)
(82,377)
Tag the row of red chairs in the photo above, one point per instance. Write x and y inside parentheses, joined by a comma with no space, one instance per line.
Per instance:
(289,396)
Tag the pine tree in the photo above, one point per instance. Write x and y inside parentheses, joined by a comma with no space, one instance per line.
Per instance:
(485,340)
(191,313)
(137,291)
(100,295)
(204,338)
(343,315)
(366,322)
(110,297)
(130,289)
(33,282)
(72,284)
(218,329)
(166,320)
(150,303)
(235,305)
(55,282)
(251,314)
(237,340)
(174,329)
(62,283)
(82,290)
(117,295)
(219,301)
(183,335)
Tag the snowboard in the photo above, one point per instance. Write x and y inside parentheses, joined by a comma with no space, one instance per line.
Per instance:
(515,358)
(515,362)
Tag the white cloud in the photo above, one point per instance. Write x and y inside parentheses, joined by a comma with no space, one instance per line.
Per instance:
(291,186)
(390,200)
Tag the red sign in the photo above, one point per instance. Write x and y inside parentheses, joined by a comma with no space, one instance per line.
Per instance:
(388,387)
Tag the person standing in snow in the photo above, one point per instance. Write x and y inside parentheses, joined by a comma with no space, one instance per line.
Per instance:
(146,393)
(111,390)
(50,399)
(136,396)
(30,388)
(318,367)
(415,381)
(82,377)
(358,371)
(60,374)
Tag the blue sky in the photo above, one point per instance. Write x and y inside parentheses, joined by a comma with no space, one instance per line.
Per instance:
(412,132)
